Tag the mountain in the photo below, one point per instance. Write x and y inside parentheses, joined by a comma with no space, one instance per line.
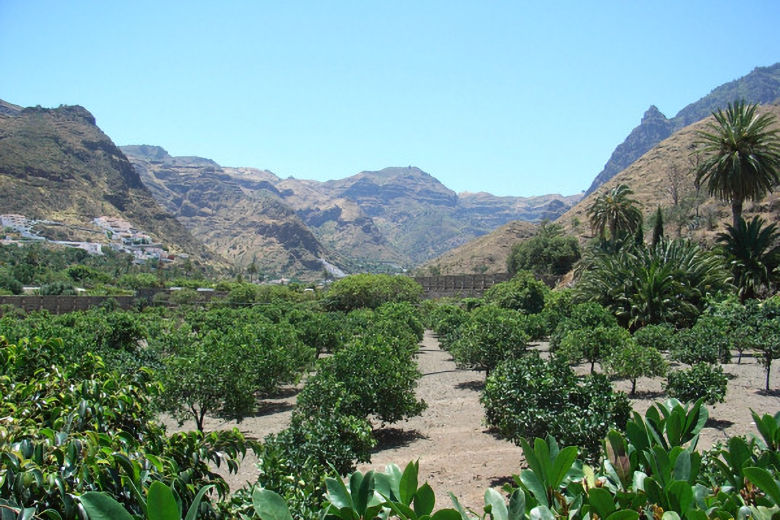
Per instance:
(487,254)
(56,164)
(236,212)
(409,211)
(762,86)
(664,177)
(382,220)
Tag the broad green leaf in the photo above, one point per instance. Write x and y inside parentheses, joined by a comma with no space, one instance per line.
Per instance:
(161,504)
(408,484)
(355,481)
(446,514)
(531,459)
(269,505)
(458,507)
(516,509)
(424,500)
(680,495)
(763,479)
(674,427)
(402,510)
(337,493)
(192,512)
(541,513)
(497,505)
(562,465)
(625,514)
(100,506)
(535,486)
(601,500)
(365,493)
(682,466)
(670,515)
(543,454)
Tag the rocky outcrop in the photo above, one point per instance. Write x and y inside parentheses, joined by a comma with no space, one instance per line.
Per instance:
(762,86)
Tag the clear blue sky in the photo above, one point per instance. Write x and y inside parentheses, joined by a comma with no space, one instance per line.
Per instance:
(512,98)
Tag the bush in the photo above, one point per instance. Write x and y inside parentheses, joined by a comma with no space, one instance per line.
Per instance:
(530,397)
(490,336)
(370,291)
(708,341)
(522,293)
(631,361)
(702,380)
(586,315)
(558,305)
(549,253)
(592,345)
(658,337)
(372,376)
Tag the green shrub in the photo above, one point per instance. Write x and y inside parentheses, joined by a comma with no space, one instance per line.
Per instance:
(702,380)
(632,360)
(375,377)
(659,337)
(708,341)
(548,253)
(558,305)
(586,315)
(530,397)
(370,291)
(490,336)
(522,293)
(592,345)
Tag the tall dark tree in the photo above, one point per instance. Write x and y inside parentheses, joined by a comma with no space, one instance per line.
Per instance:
(658,227)
(741,155)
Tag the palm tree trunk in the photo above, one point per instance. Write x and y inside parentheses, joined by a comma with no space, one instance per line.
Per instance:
(736,212)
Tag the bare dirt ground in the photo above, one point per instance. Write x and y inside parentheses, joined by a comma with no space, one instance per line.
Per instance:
(458,453)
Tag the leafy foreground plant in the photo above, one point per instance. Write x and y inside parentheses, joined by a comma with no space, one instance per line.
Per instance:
(652,470)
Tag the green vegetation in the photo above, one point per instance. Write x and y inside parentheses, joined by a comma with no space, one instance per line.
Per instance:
(522,293)
(615,212)
(701,381)
(530,397)
(489,336)
(548,255)
(371,291)
(741,156)
(752,251)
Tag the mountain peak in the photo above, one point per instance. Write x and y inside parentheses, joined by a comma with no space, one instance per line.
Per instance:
(652,113)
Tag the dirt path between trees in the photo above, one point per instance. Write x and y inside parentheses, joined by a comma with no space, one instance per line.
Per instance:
(456,450)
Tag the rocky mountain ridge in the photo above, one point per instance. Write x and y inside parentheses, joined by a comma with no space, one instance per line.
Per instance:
(761,85)
(375,220)
(56,164)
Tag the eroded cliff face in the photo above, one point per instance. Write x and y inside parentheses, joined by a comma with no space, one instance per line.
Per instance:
(57,164)
(237,213)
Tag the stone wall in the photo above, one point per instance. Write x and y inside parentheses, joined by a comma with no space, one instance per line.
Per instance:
(459,286)
(63,304)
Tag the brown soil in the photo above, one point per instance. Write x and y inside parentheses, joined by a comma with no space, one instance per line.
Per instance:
(458,453)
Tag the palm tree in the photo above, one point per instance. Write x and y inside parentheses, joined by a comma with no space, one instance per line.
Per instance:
(616,211)
(741,156)
(754,255)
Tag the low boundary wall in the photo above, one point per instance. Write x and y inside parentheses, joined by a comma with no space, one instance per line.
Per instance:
(459,285)
(62,304)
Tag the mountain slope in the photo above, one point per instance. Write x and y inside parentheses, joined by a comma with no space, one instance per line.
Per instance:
(486,254)
(664,177)
(237,212)
(762,85)
(57,164)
